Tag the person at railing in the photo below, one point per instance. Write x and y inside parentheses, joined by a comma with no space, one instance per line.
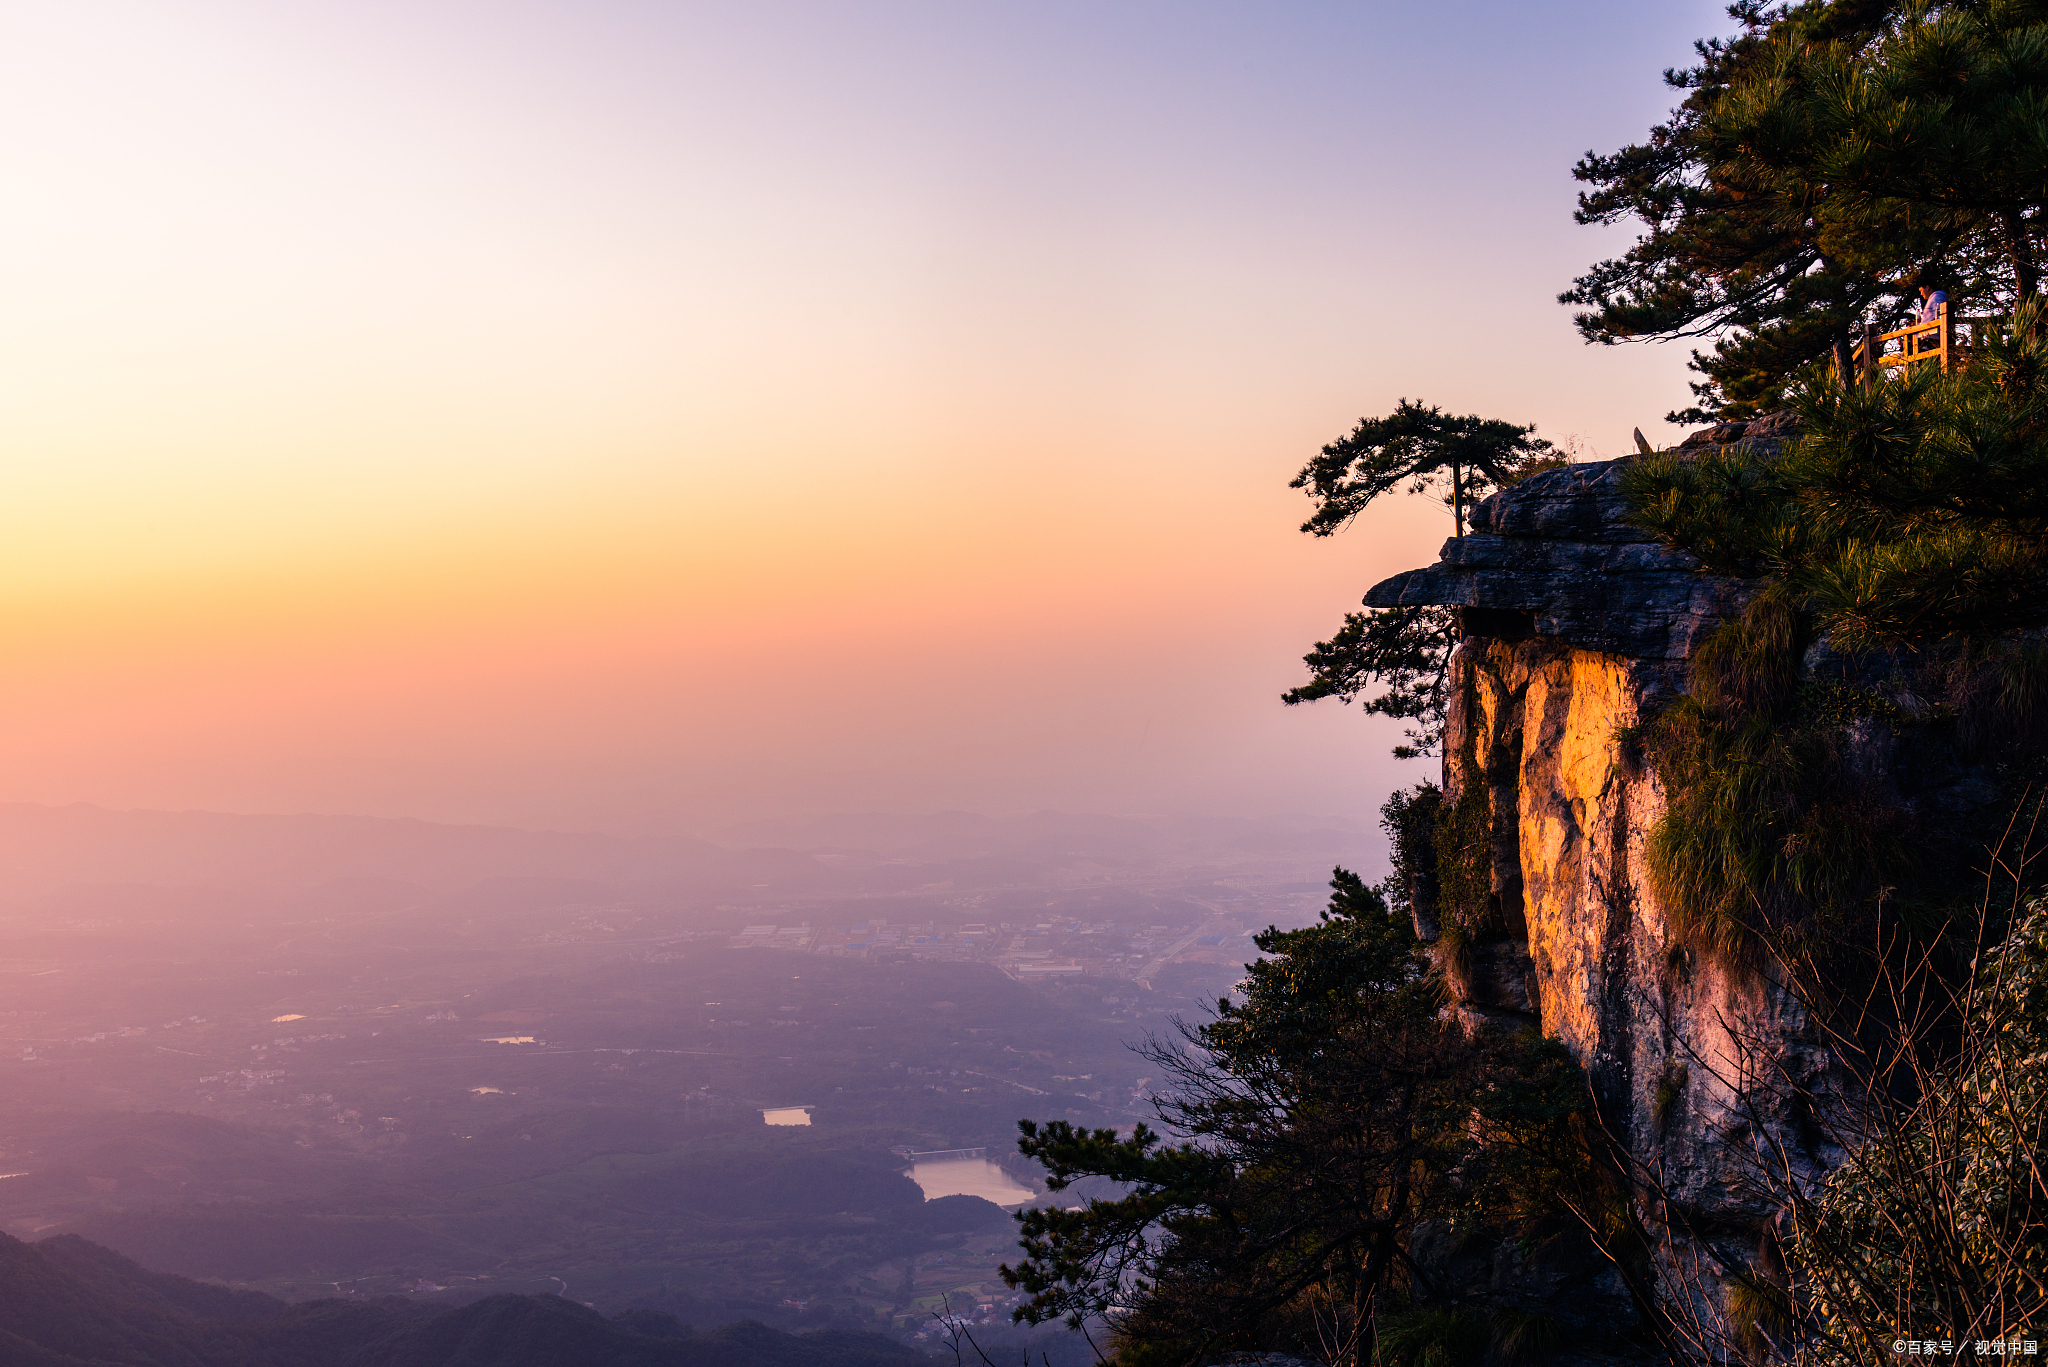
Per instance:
(1932,302)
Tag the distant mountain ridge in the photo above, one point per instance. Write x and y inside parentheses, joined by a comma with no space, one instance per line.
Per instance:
(66,1302)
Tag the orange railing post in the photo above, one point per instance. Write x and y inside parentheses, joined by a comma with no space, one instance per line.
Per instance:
(1919,343)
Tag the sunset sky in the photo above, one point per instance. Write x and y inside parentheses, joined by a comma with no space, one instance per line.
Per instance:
(629,415)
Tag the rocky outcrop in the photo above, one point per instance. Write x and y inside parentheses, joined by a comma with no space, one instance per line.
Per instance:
(1576,626)
(1551,558)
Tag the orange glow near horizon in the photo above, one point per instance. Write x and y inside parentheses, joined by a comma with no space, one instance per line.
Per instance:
(622,419)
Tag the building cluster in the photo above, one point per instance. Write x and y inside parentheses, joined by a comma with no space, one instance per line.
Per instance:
(246,1079)
(1023,950)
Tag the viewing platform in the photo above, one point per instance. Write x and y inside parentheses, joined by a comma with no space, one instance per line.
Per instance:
(1945,343)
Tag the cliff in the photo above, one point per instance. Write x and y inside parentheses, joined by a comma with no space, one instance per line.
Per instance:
(1575,626)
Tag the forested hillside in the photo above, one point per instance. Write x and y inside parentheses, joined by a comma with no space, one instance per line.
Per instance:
(69,1303)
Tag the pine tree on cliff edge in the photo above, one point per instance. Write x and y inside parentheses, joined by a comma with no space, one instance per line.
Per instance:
(1406,650)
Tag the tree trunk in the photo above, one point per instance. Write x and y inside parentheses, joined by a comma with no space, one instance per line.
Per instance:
(1845,343)
(2026,276)
(1457,501)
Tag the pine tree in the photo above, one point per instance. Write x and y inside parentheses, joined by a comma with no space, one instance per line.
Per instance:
(1406,650)
(1944,120)
(1463,458)
(1822,163)
(1319,1117)
(1914,510)
(1735,249)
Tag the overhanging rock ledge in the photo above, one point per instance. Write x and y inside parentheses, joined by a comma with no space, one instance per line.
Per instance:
(1553,557)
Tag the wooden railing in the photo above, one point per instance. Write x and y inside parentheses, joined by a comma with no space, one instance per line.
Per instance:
(1933,342)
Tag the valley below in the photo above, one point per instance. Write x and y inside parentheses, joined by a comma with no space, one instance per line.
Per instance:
(619,1094)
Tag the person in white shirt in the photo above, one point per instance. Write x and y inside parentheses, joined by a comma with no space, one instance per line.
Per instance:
(1932,301)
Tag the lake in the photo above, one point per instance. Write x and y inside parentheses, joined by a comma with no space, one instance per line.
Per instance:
(968,1177)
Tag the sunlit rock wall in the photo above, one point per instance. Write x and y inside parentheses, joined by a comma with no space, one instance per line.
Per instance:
(1576,626)
(1574,940)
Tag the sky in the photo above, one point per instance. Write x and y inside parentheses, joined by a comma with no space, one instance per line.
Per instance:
(630,416)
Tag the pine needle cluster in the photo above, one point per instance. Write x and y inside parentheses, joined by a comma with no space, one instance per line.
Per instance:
(1308,1128)
(1824,162)
(1914,510)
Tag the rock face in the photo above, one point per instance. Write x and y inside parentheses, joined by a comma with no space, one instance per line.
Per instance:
(1576,625)
(1551,558)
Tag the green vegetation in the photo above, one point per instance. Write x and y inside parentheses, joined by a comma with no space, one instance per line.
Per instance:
(1905,533)
(1439,1337)
(1405,650)
(1322,1117)
(1913,510)
(1858,757)
(1769,828)
(1410,817)
(1824,162)
(1463,845)
(1941,1215)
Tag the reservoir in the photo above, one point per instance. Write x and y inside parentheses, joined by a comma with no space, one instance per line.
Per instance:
(968,1177)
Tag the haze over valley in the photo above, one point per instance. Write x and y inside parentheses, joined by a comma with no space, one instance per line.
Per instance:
(451,1062)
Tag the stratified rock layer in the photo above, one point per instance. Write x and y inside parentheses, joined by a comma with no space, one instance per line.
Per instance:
(1552,557)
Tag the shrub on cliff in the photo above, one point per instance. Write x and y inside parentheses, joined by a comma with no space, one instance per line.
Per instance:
(1907,531)
(1773,840)
(1912,510)
(1315,1121)
(1937,1225)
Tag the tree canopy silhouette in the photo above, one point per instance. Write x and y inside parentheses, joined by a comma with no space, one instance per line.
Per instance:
(1824,162)
(1406,650)
(1318,1119)
(1465,458)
